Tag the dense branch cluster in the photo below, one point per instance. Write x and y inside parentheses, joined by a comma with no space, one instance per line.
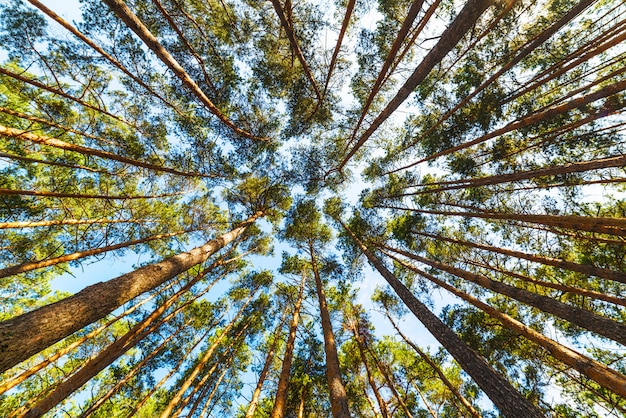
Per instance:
(451,171)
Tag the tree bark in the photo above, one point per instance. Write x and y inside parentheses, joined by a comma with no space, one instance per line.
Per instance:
(338,397)
(167,412)
(455,391)
(590,321)
(506,398)
(134,24)
(23,268)
(382,405)
(27,334)
(463,22)
(37,224)
(548,261)
(280,400)
(601,225)
(594,370)
(57,143)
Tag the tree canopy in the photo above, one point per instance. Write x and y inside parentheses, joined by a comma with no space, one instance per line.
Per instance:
(287,208)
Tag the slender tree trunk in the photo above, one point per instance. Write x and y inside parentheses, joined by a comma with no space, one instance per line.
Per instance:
(303,393)
(168,375)
(280,401)
(424,401)
(85,196)
(563,288)
(601,225)
(547,261)
(54,163)
(256,395)
(103,53)
(533,118)
(585,319)
(416,6)
(23,268)
(523,52)
(463,22)
(296,47)
(342,32)
(577,167)
(28,334)
(37,224)
(57,143)
(391,384)
(506,398)
(338,397)
(131,373)
(134,24)
(382,405)
(203,360)
(61,93)
(594,370)
(455,391)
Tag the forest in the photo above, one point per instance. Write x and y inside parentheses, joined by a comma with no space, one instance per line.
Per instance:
(311,209)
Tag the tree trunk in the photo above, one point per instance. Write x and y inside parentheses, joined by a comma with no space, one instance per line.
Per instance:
(594,370)
(548,261)
(28,334)
(167,412)
(111,353)
(8,384)
(57,143)
(134,24)
(455,391)
(54,163)
(601,225)
(37,224)
(416,6)
(280,401)
(391,384)
(266,368)
(585,319)
(23,268)
(463,22)
(342,32)
(506,398)
(382,405)
(338,397)
(296,47)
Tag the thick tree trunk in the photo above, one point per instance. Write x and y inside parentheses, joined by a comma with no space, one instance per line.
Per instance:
(57,143)
(506,398)
(134,24)
(463,22)
(585,319)
(594,370)
(11,383)
(280,401)
(111,353)
(27,334)
(338,397)
(23,268)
